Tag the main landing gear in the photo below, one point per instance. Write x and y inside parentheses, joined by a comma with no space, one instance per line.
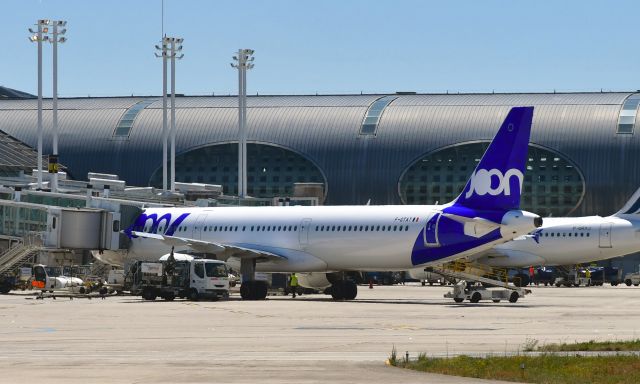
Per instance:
(344,290)
(251,289)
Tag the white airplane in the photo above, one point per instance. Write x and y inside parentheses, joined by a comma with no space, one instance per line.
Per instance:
(567,241)
(322,243)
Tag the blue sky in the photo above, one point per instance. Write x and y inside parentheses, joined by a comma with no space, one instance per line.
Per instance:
(331,46)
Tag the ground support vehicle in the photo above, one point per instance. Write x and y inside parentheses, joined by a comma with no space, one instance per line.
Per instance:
(544,276)
(475,288)
(632,279)
(115,281)
(20,280)
(181,276)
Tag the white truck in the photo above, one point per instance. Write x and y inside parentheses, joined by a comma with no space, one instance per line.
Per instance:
(181,276)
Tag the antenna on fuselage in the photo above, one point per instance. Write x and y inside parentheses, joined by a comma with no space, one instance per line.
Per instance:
(368,202)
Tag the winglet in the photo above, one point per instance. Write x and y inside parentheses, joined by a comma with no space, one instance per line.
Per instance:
(496,183)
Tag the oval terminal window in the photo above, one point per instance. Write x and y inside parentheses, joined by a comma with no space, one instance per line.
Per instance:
(552,184)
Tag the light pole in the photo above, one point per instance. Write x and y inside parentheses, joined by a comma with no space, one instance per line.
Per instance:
(38,37)
(164,54)
(174,50)
(243,61)
(56,38)
(169,49)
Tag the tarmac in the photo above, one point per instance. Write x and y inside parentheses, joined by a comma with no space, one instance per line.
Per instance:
(310,339)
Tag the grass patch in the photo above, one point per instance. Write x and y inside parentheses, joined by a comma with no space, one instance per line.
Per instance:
(595,346)
(547,368)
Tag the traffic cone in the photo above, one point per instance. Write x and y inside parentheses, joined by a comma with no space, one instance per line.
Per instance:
(370,283)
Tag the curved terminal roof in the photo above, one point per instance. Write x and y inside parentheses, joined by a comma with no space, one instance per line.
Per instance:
(326,129)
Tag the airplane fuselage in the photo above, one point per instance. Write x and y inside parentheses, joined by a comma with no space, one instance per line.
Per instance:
(310,239)
(566,241)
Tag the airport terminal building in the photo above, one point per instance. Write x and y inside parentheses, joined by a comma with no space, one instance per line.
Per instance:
(388,149)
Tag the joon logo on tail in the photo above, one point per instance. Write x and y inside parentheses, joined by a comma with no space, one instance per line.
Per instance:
(142,220)
(482,182)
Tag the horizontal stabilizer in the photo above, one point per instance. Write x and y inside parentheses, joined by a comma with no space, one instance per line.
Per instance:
(476,226)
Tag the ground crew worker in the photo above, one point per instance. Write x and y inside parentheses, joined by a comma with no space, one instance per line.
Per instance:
(587,274)
(293,284)
(532,274)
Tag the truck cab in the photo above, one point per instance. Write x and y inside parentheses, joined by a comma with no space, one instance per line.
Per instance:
(209,278)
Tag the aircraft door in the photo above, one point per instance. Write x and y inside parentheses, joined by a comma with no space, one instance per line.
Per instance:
(303,234)
(431,231)
(605,235)
(199,225)
(198,276)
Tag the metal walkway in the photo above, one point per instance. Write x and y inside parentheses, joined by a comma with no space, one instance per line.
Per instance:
(20,253)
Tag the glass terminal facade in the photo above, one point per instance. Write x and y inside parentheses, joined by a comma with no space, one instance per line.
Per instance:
(552,184)
(271,170)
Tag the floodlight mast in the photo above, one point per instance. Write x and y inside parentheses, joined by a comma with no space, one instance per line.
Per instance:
(174,56)
(55,40)
(242,62)
(38,37)
(163,54)
(168,50)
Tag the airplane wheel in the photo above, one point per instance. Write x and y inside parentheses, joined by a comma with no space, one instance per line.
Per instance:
(245,290)
(496,301)
(260,289)
(350,290)
(337,291)
(458,299)
(475,297)
(628,282)
(514,297)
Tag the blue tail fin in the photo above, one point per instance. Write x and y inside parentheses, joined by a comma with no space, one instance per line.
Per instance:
(496,183)
(632,207)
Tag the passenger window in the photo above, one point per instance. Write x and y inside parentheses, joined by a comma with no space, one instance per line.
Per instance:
(378,228)
(361,228)
(338,228)
(243,228)
(366,228)
(588,234)
(333,228)
(295,228)
(406,227)
(198,269)
(581,234)
(395,227)
(383,228)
